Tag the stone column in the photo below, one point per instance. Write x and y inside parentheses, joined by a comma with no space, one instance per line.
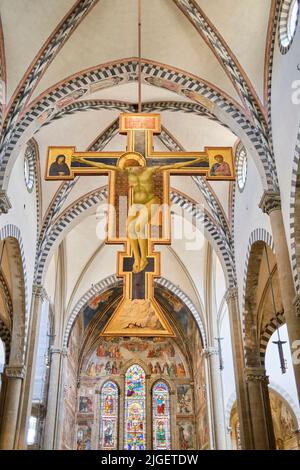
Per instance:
(260,410)
(271,205)
(218,418)
(14,378)
(239,366)
(56,355)
(32,345)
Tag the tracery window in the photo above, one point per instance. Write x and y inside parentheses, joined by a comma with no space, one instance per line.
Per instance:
(135,409)
(161,416)
(109,416)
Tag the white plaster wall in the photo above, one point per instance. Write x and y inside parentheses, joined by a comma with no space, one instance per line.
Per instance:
(285,119)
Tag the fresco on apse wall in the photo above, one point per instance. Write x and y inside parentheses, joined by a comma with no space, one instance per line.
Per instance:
(84,435)
(135,408)
(184,400)
(98,303)
(161,355)
(185,434)
(70,387)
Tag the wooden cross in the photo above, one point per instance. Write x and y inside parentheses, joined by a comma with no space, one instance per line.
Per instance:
(141,177)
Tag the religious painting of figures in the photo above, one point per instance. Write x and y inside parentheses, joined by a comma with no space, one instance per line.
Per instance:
(109,416)
(185,435)
(85,405)
(84,436)
(162,356)
(135,413)
(285,422)
(184,400)
(161,416)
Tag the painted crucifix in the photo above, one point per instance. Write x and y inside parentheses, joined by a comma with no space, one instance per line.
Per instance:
(138,211)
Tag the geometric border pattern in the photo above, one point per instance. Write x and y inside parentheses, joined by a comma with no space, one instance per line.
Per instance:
(113,281)
(295,169)
(241,166)
(277,388)
(238,77)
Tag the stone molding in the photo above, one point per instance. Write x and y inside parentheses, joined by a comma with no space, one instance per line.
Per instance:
(296,303)
(256,375)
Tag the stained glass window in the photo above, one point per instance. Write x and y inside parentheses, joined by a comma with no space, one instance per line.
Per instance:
(109,416)
(161,416)
(135,413)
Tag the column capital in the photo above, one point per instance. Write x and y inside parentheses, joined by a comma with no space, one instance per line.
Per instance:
(5,204)
(61,351)
(256,374)
(270,202)
(210,351)
(296,303)
(231,294)
(38,291)
(15,371)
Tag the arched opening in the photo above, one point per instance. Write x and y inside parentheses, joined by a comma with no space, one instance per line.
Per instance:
(12,334)
(118,388)
(109,410)
(135,408)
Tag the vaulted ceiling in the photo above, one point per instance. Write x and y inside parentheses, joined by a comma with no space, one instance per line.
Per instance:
(52,47)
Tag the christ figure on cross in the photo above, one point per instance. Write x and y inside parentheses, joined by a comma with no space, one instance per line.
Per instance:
(144,204)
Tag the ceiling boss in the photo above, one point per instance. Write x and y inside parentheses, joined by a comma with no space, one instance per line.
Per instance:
(138,211)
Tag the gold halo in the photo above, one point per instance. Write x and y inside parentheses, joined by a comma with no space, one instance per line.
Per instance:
(138,157)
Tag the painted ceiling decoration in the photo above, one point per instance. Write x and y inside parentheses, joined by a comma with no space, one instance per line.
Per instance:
(178,81)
